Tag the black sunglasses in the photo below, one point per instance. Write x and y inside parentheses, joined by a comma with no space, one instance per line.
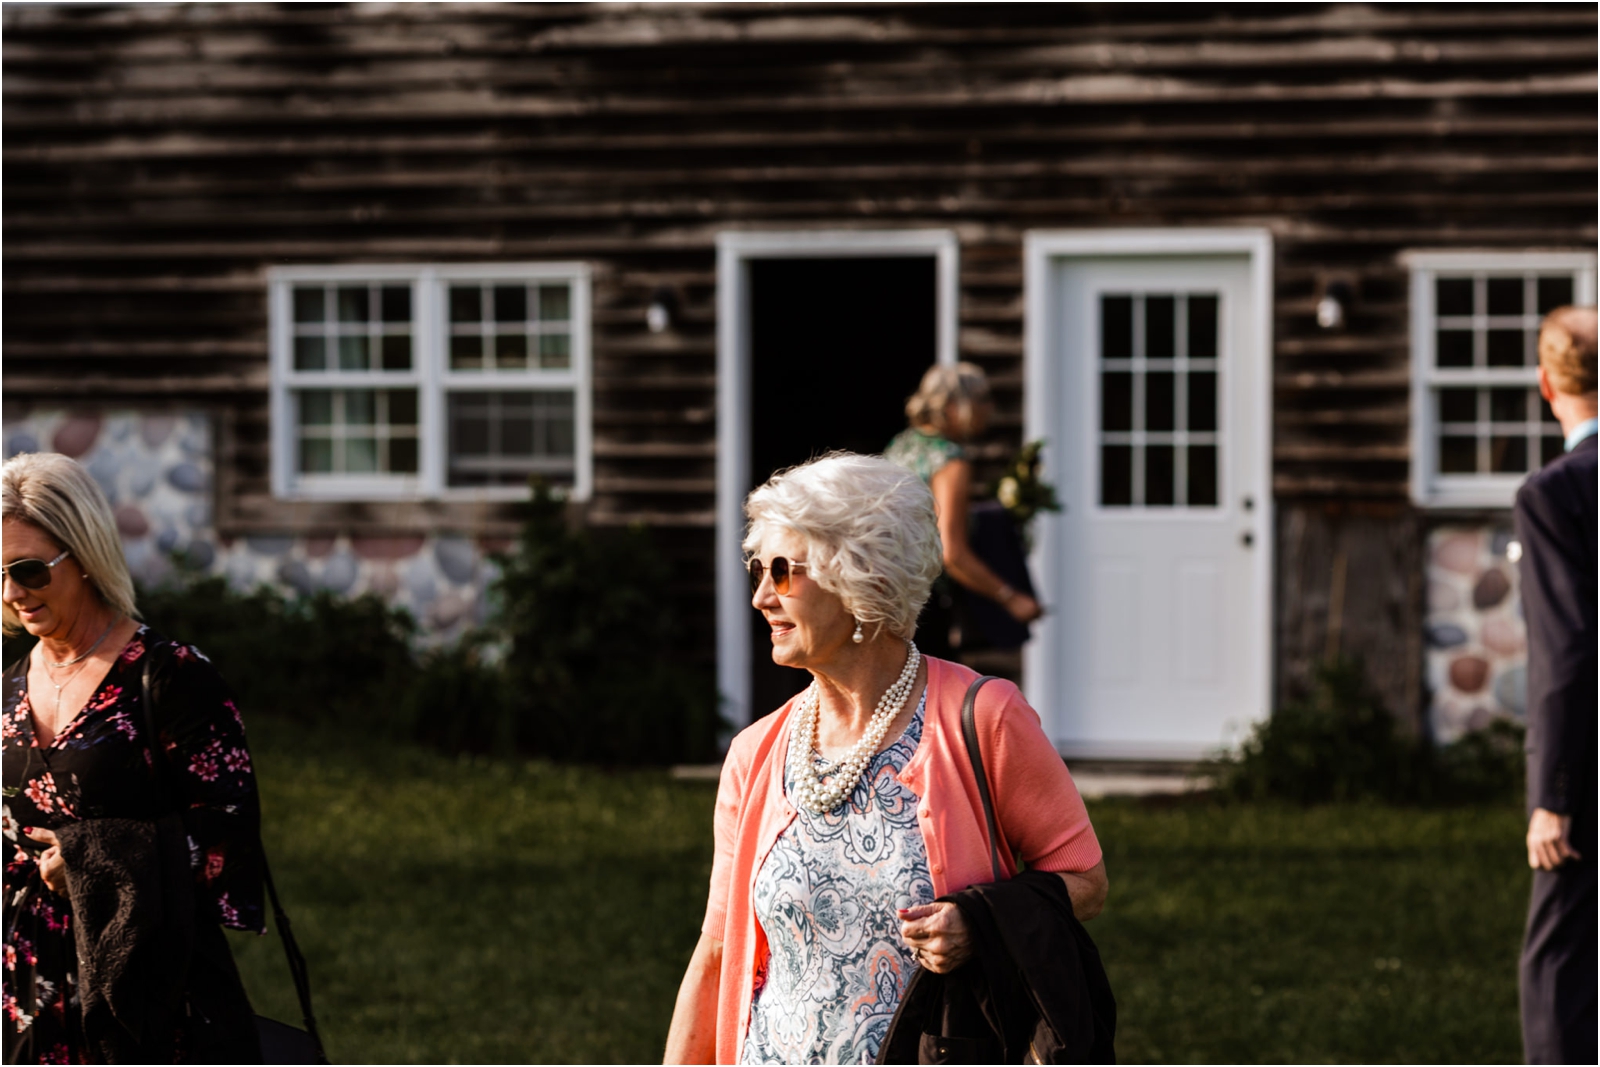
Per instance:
(782,569)
(32,573)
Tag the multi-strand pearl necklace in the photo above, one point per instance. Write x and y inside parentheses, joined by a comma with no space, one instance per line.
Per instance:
(810,791)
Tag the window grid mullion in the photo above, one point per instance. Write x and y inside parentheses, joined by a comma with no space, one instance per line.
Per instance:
(1136,451)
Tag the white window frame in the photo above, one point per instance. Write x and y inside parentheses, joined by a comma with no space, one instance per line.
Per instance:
(430,374)
(1430,489)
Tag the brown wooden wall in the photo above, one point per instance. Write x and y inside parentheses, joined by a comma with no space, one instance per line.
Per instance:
(158,158)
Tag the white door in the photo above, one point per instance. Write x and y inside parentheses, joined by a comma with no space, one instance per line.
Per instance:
(1155,571)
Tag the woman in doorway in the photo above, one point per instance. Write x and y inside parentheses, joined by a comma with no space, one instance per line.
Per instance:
(950,410)
(842,816)
(141,847)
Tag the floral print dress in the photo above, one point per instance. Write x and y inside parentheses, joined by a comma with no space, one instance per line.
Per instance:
(923,454)
(100,766)
(826,898)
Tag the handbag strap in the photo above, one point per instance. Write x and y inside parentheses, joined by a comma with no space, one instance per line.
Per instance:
(969,729)
(291,948)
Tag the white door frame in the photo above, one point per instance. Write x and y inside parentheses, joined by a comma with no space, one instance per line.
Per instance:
(734,251)
(1041,250)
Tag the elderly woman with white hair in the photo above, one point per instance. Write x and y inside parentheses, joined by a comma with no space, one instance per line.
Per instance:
(843,815)
(139,847)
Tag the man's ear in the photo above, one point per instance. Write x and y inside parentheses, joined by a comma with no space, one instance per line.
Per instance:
(1546,390)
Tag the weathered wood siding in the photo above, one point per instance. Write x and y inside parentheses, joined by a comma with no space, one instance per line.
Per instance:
(158,158)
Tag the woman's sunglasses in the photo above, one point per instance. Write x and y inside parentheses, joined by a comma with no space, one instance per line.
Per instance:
(782,570)
(32,573)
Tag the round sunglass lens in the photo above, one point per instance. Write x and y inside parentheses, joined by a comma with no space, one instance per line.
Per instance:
(780,574)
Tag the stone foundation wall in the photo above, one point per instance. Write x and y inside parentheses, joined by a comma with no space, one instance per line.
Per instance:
(1477,642)
(156,470)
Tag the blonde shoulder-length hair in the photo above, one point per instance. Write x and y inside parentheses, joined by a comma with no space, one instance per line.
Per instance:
(54,493)
(963,384)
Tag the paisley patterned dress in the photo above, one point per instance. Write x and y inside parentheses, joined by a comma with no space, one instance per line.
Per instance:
(99,766)
(826,898)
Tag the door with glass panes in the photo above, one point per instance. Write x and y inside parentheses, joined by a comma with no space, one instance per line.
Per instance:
(1156,440)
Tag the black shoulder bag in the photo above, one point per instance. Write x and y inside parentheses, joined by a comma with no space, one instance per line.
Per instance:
(280,1042)
(969,730)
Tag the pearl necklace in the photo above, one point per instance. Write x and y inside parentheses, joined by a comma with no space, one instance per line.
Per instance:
(810,791)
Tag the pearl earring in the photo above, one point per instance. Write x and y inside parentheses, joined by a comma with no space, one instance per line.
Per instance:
(857,636)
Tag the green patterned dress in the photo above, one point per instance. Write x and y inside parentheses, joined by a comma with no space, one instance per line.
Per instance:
(923,454)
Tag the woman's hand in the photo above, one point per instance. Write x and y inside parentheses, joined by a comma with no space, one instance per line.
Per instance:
(52,868)
(937,935)
(1023,607)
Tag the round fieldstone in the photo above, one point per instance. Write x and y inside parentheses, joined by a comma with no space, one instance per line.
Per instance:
(340,572)
(421,587)
(187,478)
(1502,635)
(200,555)
(271,547)
(457,559)
(1490,589)
(1442,596)
(192,443)
(131,521)
(155,429)
(103,467)
(168,539)
(382,580)
(142,475)
(240,570)
(21,442)
(1499,540)
(1511,690)
(293,573)
(1469,673)
(448,610)
(318,547)
(1478,718)
(386,548)
(119,427)
(198,514)
(76,435)
(1446,635)
(1457,551)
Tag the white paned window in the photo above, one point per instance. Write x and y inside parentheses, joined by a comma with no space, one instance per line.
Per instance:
(416,382)
(1479,425)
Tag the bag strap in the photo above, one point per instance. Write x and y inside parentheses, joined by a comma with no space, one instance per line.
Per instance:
(291,949)
(969,729)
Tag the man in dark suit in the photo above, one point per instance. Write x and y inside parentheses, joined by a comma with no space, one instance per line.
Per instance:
(1555,516)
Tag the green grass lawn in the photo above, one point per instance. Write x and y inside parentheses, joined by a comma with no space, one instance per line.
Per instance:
(487,911)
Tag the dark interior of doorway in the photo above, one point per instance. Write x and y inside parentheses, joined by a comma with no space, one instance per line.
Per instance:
(836,346)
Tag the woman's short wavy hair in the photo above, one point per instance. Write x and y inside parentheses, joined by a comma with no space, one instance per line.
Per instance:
(870,532)
(963,383)
(55,493)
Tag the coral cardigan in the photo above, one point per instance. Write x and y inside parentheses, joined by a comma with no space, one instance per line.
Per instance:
(1040,813)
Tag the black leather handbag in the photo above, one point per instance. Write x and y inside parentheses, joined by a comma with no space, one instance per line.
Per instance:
(280,1042)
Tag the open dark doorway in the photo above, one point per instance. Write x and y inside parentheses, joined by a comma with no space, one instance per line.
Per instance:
(836,346)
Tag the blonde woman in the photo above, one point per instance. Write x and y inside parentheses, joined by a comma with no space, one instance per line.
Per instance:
(92,801)
(843,815)
(950,410)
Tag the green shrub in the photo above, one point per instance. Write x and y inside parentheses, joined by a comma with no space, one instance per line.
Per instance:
(596,669)
(1341,743)
(304,657)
